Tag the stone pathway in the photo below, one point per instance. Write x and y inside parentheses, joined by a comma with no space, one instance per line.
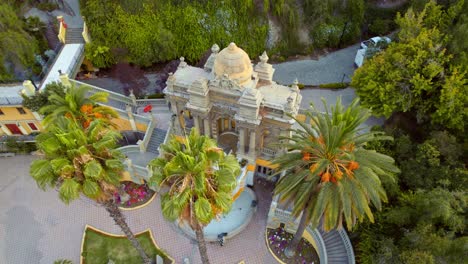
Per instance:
(36,227)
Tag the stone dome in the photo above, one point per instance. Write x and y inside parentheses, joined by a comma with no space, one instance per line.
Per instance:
(234,62)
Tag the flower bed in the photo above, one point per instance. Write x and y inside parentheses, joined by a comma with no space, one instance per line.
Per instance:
(132,195)
(278,240)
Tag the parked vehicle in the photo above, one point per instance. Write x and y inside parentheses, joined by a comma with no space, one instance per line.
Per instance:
(369,48)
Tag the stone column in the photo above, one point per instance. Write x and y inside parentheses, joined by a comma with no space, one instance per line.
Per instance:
(206,124)
(252,144)
(222,125)
(229,124)
(197,123)
(5,129)
(130,117)
(241,141)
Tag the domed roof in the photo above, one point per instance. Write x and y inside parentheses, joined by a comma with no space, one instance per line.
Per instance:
(234,62)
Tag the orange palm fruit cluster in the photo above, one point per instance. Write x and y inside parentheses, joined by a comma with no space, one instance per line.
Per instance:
(86,123)
(326,177)
(98,115)
(353,165)
(306,156)
(86,109)
(338,174)
(313,168)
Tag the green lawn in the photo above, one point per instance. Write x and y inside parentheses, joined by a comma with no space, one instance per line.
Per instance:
(98,248)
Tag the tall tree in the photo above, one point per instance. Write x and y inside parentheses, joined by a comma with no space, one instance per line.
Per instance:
(83,161)
(329,175)
(79,144)
(417,74)
(200,179)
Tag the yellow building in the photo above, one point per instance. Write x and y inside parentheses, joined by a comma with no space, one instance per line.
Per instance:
(15,120)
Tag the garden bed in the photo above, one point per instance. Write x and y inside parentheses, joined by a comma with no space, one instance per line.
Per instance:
(98,247)
(132,195)
(277,241)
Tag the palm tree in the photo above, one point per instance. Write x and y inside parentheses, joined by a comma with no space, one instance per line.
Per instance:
(330,176)
(200,179)
(77,105)
(83,161)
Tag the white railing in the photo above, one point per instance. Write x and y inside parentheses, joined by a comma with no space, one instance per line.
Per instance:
(148,134)
(159,102)
(112,95)
(141,172)
(269,152)
(129,148)
(142,119)
(348,246)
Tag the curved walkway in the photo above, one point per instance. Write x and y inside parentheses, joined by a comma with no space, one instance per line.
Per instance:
(36,227)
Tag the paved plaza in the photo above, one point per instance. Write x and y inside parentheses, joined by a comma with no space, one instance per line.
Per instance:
(36,227)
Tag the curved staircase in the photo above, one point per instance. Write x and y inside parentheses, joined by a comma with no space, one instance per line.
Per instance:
(337,247)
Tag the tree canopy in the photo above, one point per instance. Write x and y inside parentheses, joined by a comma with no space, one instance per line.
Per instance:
(17,47)
(417,73)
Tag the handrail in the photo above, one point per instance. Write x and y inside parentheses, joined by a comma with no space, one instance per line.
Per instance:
(348,246)
(112,95)
(141,119)
(148,134)
(141,102)
(269,152)
(129,148)
(141,172)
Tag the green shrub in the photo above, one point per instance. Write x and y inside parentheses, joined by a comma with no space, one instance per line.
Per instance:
(47,6)
(380,26)
(334,85)
(156,96)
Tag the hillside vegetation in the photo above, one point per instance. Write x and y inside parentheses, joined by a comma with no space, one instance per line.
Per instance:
(145,32)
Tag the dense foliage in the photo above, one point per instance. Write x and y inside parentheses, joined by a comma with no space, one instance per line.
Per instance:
(424,75)
(418,73)
(40,99)
(17,46)
(156,31)
(427,216)
(335,22)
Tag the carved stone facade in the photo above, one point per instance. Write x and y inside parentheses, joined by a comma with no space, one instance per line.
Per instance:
(233,101)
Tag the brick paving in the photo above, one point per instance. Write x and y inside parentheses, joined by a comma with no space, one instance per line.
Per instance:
(36,227)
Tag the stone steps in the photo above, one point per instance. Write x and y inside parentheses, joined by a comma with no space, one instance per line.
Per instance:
(336,250)
(157,138)
(74,35)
